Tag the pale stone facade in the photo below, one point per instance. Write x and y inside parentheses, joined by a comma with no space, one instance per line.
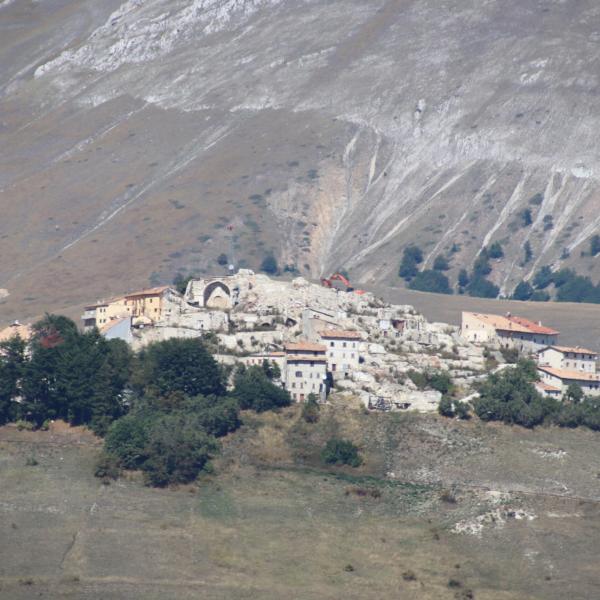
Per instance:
(343,351)
(306,370)
(574,359)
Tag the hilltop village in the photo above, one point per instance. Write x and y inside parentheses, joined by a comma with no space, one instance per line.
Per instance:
(329,341)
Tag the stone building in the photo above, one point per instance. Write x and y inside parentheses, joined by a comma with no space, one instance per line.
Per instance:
(343,351)
(306,370)
(507,332)
(571,358)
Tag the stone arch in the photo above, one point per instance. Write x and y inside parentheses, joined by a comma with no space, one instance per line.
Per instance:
(217,295)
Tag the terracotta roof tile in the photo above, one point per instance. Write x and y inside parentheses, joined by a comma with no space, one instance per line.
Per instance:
(341,334)
(305,347)
(569,374)
(572,350)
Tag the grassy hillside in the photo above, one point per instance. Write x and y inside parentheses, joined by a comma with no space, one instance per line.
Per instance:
(272,522)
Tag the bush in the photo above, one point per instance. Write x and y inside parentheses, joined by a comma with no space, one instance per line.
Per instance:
(341,452)
(108,467)
(445,407)
(254,390)
(510,355)
(411,258)
(431,281)
(526,219)
(543,278)
(511,397)
(482,288)
(463,278)
(269,265)
(311,409)
(222,259)
(441,263)
(523,291)
(177,451)
(178,365)
(496,250)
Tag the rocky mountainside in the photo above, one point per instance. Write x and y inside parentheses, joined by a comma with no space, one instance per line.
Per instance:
(329,133)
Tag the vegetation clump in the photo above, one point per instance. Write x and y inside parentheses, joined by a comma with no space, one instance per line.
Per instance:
(341,452)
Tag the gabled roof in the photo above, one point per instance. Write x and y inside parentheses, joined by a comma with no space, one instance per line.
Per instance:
(341,334)
(155,291)
(513,324)
(569,374)
(546,387)
(570,349)
(305,347)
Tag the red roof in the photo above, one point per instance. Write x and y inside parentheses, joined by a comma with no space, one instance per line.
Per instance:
(569,374)
(341,334)
(572,350)
(532,326)
(305,347)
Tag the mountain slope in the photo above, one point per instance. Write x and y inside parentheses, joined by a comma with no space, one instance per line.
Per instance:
(329,133)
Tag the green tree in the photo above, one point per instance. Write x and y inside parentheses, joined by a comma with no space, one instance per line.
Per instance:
(527,252)
(595,245)
(441,263)
(526,219)
(495,250)
(543,278)
(254,390)
(222,259)
(511,397)
(463,278)
(12,370)
(523,291)
(480,287)
(177,450)
(431,281)
(269,265)
(445,407)
(341,452)
(180,281)
(574,393)
(183,365)
(412,257)
(311,409)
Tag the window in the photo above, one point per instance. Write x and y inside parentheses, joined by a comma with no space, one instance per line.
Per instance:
(294,385)
(298,373)
(344,344)
(331,344)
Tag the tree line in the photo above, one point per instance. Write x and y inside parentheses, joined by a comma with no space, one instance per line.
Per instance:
(160,410)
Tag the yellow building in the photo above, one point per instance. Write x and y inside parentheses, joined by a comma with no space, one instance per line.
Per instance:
(145,307)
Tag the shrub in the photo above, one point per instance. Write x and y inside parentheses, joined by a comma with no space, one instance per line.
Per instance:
(222,259)
(463,278)
(441,263)
(496,250)
(411,258)
(177,451)
(269,265)
(178,365)
(482,288)
(526,219)
(107,467)
(430,281)
(254,390)
(511,397)
(311,409)
(523,291)
(341,452)
(543,278)
(510,355)
(595,245)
